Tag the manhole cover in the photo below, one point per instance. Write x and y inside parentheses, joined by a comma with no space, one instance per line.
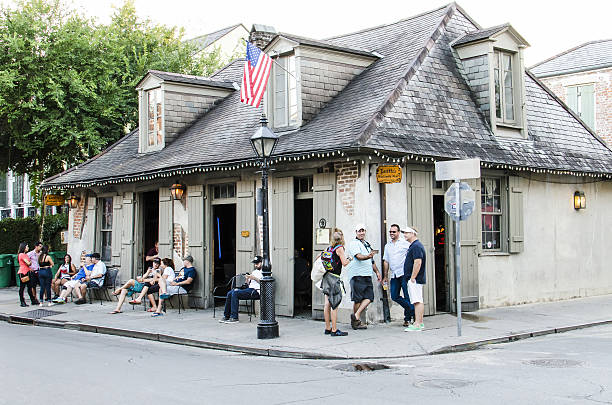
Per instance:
(40,313)
(445,384)
(554,363)
(361,367)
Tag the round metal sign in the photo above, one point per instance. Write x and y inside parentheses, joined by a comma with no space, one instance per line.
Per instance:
(467,201)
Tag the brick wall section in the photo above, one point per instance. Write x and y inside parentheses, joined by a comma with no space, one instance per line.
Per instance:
(477,73)
(346,177)
(182,109)
(78,219)
(321,81)
(179,240)
(603,96)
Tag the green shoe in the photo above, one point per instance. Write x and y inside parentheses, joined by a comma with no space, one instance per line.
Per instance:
(415,328)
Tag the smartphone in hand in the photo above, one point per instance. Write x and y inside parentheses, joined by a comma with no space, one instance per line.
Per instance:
(375,251)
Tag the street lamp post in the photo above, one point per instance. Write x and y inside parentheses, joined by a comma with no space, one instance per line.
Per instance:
(263,142)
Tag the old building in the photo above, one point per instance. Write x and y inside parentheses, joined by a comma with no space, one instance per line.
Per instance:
(435,86)
(15,199)
(582,78)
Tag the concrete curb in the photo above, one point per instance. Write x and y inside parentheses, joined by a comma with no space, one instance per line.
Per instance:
(515,337)
(279,353)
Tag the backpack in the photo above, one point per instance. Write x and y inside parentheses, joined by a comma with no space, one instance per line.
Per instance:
(327,258)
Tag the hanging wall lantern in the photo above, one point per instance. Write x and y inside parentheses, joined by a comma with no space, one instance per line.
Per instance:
(178,191)
(74,201)
(579,200)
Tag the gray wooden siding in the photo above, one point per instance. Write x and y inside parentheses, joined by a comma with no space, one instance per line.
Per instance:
(420,214)
(516,233)
(182,109)
(323,206)
(281,242)
(245,221)
(195,229)
(321,81)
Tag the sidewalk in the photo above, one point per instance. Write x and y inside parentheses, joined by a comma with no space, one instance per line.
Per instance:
(304,338)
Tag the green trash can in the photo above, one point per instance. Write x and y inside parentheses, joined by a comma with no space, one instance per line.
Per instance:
(6,268)
(58,260)
(15,259)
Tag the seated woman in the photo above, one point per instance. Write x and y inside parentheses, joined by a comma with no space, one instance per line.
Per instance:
(166,277)
(137,285)
(181,284)
(64,273)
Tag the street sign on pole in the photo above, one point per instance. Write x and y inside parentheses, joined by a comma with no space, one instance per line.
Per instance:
(458,169)
(459,203)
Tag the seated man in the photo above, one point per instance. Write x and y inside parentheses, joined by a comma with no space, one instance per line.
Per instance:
(182,284)
(75,281)
(93,280)
(139,285)
(234,296)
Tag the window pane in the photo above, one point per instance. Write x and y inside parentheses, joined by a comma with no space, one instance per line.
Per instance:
(19,213)
(18,190)
(5,213)
(106,246)
(498,109)
(31,211)
(3,199)
(107,213)
(507,61)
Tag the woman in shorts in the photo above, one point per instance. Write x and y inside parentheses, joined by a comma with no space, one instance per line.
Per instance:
(136,286)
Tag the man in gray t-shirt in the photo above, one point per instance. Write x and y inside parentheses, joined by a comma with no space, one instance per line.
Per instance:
(94,280)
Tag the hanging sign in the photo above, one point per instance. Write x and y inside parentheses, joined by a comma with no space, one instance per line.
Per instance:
(54,199)
(389,174)
(458,169)
(245,234)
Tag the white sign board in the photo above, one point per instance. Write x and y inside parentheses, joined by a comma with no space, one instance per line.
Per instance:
(458,169)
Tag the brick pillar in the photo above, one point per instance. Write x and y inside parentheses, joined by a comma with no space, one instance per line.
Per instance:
(78,218)
(347,174)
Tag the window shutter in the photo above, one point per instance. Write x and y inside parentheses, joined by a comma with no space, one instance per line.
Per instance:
(165,223)
(587,100)
(515,202)
(572,98)
(117,231)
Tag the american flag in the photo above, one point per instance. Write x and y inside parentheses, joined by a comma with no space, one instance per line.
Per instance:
(256,72)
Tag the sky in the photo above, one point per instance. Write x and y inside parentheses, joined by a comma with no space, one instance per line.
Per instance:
(549,26)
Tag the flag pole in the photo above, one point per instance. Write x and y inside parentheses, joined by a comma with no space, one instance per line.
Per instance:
(278,64)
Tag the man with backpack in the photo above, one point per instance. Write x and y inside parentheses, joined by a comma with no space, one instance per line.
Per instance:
(360,272)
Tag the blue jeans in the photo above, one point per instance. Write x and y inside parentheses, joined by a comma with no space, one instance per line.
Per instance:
(397,284)
(44,277)
(232,298)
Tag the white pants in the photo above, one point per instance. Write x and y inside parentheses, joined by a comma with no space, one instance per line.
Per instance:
(175,289)
(72,283)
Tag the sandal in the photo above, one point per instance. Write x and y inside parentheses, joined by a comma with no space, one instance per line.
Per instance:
(134,302)
(115,312)
(151,310)
(156,314)
(116,292)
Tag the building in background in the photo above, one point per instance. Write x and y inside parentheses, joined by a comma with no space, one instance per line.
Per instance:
(15,200)
(229,41)
(582,78)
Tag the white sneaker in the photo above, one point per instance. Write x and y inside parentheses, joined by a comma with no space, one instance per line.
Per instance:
(49,304)
(40,305)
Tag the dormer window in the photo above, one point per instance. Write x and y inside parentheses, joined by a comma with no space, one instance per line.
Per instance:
(285,90)
(154,118)
(504,86)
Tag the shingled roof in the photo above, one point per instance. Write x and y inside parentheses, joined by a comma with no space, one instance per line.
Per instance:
(414,100)
(203,41)
(190,79)
(588,56)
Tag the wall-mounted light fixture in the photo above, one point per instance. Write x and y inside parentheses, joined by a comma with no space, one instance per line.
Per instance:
(178,191)
(74,201)
(579,200)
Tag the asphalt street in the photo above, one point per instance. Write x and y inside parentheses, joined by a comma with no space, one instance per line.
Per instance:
(45,365)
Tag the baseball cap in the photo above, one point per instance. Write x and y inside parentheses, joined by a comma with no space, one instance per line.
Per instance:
(257,259)
(95,255)
(360,226)
(157,260)
(189,258)
(407,229)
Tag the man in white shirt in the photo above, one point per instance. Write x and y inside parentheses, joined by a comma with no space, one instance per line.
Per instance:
(93,280)
(393,259)
(251,292)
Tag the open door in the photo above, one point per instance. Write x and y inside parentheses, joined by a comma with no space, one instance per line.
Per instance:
(280,200)
(324,208)
(420,214)
(245,225)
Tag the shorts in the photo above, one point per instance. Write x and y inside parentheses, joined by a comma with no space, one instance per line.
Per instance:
(153,288)
(361,288)
(137,288)
(72,284)
(415,291)
(175,289)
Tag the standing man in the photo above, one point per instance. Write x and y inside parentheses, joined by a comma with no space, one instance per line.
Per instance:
(34,267)
(360,271)
(393,258)
(414,269)
(151,255)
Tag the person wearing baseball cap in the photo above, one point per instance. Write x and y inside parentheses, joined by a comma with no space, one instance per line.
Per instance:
(234,296)
(360,273)
(414,271)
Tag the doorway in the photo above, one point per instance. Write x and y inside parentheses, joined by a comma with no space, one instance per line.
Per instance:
(302,236)
(224,243)
(440,269)
(150,221)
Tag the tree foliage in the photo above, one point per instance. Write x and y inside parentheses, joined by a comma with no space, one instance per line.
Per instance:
(67,83)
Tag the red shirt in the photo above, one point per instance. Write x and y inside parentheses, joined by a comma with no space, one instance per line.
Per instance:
(23,266)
